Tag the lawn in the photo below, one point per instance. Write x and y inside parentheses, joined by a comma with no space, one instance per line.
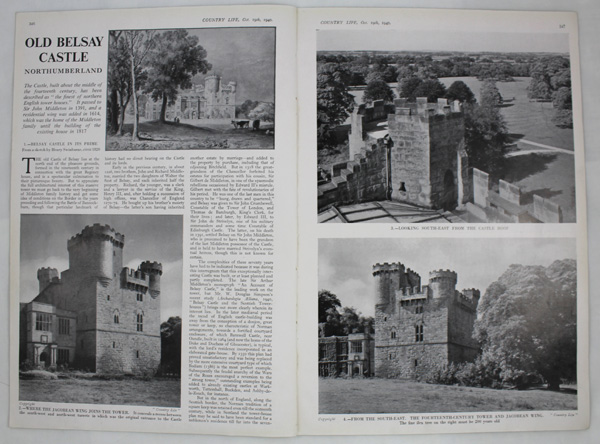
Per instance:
(524,119)
(155,135)
(396,396)
(155,392)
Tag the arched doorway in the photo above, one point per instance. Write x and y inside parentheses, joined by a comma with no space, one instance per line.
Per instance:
(450,193)
(45,359)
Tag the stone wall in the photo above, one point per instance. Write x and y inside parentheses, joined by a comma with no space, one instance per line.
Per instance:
(546,211)
(361,180)
(506,205)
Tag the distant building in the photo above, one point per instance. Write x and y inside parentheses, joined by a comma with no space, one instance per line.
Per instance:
(98,315)
(213,100)
(351,355)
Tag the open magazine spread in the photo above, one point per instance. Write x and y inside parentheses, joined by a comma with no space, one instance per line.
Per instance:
(174,267)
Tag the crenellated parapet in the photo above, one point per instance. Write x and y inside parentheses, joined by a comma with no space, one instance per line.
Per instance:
(154,272)
(425,109)
(135,280)
(47,276)
(386,267)
(98,231)
(442,274)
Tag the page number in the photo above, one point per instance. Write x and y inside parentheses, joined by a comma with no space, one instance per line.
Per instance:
(31,23)
(561,26)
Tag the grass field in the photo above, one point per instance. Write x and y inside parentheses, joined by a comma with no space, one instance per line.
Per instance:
(155,135)
(525,119)
(155,392)
(396,396)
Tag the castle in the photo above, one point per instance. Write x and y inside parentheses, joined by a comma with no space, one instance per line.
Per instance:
(412,156)
(98,315)
(417,327)
(420,326)
(213,100)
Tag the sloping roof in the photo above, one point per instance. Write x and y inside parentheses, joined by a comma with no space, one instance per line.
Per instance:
(386,212)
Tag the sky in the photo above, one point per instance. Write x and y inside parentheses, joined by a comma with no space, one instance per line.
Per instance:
(396,40)
(147,237)
(345,265)
(243,55)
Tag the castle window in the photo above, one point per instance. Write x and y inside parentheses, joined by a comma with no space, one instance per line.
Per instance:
(114,344)
(137,353)
(419,309)
(402,187)
(43,321)
(416,362)
(356,347)
(108,297)
(140,322)
(418,333)
(393,334)
(63,326)
(140,297)
(116,318)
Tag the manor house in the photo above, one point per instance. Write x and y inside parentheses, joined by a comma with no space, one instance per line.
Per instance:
(97,315)
(213,100)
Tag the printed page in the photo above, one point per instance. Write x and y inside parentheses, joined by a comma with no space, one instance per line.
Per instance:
(153,221)
(443,256)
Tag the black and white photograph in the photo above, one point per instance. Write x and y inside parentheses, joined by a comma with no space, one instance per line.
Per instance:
(447,325)
(211,88)
(100,309)
(444,127)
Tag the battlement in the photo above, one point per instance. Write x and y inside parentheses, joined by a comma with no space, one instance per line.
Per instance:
(442,274)
(425,109)
(135,279)
(104,232)
(47,276)
(387,268)
(410,293)
(151,267)
(469,298)
(47,271)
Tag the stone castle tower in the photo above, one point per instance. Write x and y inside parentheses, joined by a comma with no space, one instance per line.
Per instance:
(419,326)
(428,162)
(98,315)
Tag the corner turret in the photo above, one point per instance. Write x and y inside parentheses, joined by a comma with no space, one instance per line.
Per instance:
(154,271)
(46,276)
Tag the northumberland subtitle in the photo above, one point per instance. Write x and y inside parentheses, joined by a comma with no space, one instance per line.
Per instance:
(63,71)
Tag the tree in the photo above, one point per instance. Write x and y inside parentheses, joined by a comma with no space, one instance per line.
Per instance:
(486,133)
(120,80)
(527,324)
(460,91)
(138,44)
(485,138)
(245,108)
(264,111)
(176,57)
(378,90)
(170,350)
(433,89)
(490,96)
(407,86)
(334,102)
(327,301)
